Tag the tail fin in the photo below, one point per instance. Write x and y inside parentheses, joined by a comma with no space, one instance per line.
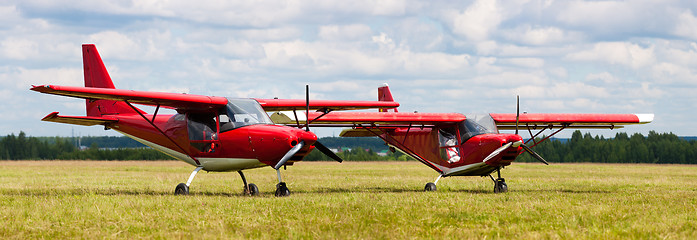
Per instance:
(384,95)
(97,76)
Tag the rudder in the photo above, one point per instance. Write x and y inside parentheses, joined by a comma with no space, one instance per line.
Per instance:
(384,95)
(97,76)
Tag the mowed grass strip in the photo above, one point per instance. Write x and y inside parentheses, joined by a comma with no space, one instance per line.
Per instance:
(367,200)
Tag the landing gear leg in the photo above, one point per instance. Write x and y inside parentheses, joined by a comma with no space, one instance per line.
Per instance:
(183,188)
(499,183)
(431,187)
(281,189)
(249,189)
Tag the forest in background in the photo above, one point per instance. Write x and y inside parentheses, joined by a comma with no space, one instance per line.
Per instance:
(623,148)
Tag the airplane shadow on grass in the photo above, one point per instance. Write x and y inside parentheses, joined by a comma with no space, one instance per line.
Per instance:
(235,193)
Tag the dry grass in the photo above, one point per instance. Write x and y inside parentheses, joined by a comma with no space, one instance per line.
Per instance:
(81,199)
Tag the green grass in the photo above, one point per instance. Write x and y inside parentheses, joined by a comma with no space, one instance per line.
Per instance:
(383,200)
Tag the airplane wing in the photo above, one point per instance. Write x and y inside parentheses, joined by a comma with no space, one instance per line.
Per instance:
(199,102)
(507,121)
(354,118)
(78,120)
(272,105)
(174,100)
(367,120)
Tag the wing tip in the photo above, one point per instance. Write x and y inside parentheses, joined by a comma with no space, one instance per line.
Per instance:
(645,117)
(50,116)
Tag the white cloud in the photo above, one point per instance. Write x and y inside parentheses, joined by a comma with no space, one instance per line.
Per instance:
(132,46)
(528,62)
(686,25)
(541,36)
(21,49)
(351,32)
(604,77)
(478,21)
(623,53)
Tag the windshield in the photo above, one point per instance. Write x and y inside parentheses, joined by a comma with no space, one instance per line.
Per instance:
(241,112)
(476,124)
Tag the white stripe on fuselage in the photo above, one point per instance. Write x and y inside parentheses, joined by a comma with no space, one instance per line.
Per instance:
(208,164)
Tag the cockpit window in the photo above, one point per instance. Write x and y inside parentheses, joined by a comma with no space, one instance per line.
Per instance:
(477,124)
(241,112)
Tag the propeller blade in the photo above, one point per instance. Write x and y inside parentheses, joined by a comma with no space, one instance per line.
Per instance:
(288,155)
(517,112)
(307,107)
(497,151)
(534,154)
(327,152)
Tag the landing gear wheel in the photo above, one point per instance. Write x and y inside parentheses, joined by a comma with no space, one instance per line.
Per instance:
(500,186)
(181,189)
(282,190)
(430,187)
(252,189)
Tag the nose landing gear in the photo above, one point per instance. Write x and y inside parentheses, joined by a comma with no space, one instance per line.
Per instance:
(499,183)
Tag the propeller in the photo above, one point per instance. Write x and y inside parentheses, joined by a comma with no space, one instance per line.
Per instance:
(289,154)
(525,147)
(317,144)
(534,154)
(497,151)
(517,112)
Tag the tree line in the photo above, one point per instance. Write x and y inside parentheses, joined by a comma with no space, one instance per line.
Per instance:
(21,147)
(637,148)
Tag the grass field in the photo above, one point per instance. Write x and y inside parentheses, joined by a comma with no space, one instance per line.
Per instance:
(80,199)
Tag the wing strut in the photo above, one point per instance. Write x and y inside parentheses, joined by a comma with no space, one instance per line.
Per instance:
(162,132)
(407,150)
(532,138)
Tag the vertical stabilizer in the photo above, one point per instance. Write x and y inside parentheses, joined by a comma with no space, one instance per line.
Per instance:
(384,95)
(97,76)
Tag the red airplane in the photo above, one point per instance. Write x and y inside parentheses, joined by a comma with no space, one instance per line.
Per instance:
(232,134)
(454,144)
(211,133)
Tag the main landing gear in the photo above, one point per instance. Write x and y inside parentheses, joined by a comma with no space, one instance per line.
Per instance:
(499,183)
(183,188)
(431,187)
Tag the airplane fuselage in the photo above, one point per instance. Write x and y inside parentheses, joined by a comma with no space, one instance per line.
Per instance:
(245,147)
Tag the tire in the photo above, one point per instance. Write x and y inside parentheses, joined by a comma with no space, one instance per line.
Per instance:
(500,186)
(282,190)
(181,189)
(253,189)
(430,187)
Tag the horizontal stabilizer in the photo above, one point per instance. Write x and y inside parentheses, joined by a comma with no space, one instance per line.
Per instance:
(78,120)
(359,132)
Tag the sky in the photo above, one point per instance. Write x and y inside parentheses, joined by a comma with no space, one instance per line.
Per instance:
(437,56)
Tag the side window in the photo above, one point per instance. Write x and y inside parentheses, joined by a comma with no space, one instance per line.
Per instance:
(449,148)
(447,136)
(226,123)
(202,126)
